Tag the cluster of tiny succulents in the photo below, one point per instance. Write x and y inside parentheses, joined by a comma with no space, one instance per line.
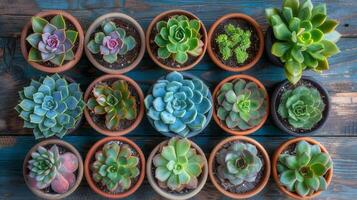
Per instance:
(305,37)
(234,41)
(302,107)
(303,171)
(177,166)
(115,101)
(178,37)
(50,106)
(50,168)
(179,105)
(110,42)
(115,167)
(241,104)
(51,41)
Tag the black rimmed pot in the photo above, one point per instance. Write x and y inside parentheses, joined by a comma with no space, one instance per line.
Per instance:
(269,41)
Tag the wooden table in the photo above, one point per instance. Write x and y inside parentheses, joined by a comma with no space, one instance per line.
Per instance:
(338,136)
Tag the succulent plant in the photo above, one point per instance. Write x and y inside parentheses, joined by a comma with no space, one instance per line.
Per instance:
(115,101)
(115,166)
(51,41)
(50,106)
(305,37)
(177,165)
(178,37)
(178,105)
(241,104)
(110,42)
(302,171)
(48,167)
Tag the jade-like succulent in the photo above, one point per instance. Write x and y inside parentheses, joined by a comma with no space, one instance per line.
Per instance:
(115,167)
(305,37)
(51,41)
(241,104)
(178,37)
(178,165)
(302,107)
(179,105)
(48,167)
(50,106)
(302,171)
(110,42)
(115,101)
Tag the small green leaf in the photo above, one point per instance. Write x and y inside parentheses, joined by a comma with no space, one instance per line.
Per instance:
(38,24)
(269,12)
(317,35)
(59,22)
(328,26)
(160,41)
(318,19)
(312,182)
(319,9)
(34,39)
(163,53)
(330,48)
(304,14)
(181,57)
(93,47)
(160,25)
(71,35)
(111,58)
(280,48)
(306,25)
(34,55)
(293,4)
(195,24)
(293,68)
(108,27)
(297,54)
(301,189)
(318,169)
(281,32)
(98,37)
(287,13)
(130,42)
(69,55)
(58,59)
(294,24)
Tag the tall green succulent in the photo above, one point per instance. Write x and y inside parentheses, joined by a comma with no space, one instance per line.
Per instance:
(305,37)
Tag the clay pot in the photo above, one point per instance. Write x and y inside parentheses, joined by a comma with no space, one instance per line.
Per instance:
(79,172)
(89,159)
(252,22)
(264,180)
(127,19)
(279,150)
(69,64)
(215,93)
(140,102)
(269,41)
(167,14)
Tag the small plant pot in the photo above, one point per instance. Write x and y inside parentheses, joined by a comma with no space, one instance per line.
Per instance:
(286,145)
(89,159)
(215,103)
(79,172)
(152,47)
(246,22)
(126,62)
(78,46)
(137,93)
(269,41)
(263,180)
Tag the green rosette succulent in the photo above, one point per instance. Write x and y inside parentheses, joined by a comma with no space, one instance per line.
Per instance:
(51,106)
(302,171)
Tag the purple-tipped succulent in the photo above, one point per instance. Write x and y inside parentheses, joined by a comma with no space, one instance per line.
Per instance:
(111,44)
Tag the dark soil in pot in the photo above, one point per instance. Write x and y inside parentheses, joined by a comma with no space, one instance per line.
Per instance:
(269,41)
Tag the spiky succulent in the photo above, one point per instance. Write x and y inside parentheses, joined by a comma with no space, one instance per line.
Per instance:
(302,171)
(305,37)
(115,101)
(110,42)
(115,167)
(178,165)
(51,41)
(179,105)
(241,104)
(50,106)
(179,37)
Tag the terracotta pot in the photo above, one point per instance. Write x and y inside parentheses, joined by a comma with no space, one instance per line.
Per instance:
(269,41)
(264,180)
(164,193)
(281,148)
(167,14)
(79,171)
(127,19)
(91,154)
(140,101)
(259,32)
(69,64)
(215,93)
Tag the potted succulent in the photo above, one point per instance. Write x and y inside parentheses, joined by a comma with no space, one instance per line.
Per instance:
(114,167)
(51,106)
(179,105)
(115,43)
(302,108)
(53,169)
(241,104)
(115,105)
(239,167)
(177,169)
(302,168)
(52,41)
(176,40)
(301,37)
(235,42)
